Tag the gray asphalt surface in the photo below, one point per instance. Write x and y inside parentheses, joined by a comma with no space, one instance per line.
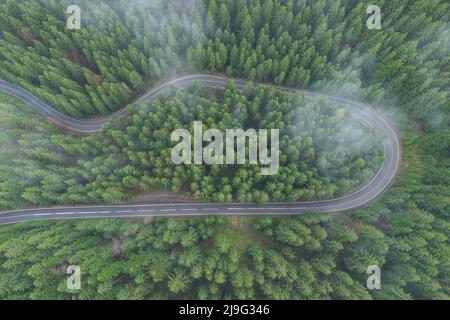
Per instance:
(355,199)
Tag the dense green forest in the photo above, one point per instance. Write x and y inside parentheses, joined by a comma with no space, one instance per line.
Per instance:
(325,152)
(125,47)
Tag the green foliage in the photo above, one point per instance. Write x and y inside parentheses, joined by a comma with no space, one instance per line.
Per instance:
(125,47)
(321,146)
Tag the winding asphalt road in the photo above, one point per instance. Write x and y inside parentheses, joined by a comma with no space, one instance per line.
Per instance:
(355,199)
